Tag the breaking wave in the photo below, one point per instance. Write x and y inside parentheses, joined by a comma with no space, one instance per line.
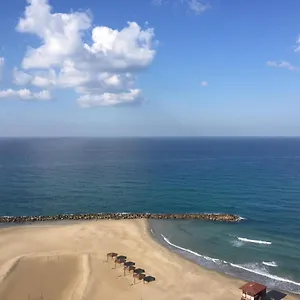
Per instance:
(264,274)
(270,263)
(245,240)
(190,251)
(254,268)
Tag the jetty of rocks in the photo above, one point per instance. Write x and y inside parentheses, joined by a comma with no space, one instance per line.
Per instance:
(122,216)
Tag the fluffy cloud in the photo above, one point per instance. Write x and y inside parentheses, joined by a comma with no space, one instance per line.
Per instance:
(21,78)
(282,64)
(25,94)
(60,34)
(204,83)
(102,71)
(90,100)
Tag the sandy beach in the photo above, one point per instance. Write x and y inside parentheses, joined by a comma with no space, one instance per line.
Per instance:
(65,261)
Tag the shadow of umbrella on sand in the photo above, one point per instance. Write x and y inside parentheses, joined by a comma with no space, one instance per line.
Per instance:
(127,265)
(138,273)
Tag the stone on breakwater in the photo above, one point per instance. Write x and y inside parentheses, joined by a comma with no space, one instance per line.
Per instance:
(122,216)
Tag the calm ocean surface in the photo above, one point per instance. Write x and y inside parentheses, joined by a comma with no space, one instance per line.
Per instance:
(257,178)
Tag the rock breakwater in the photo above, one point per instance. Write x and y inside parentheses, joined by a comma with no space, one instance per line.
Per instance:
(121,216)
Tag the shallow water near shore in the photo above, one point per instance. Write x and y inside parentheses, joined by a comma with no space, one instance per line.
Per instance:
(255,178)
(220,247)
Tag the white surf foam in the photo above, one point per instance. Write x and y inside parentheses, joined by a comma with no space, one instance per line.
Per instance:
(254,270)
(245,240)
(237,243)
(190,251)
(270,263)
(260,272)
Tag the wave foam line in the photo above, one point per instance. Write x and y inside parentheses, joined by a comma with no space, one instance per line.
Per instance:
(189,251)
(258,272)
(270,263)
(254,241)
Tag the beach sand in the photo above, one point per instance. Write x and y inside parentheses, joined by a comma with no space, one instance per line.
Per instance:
(62,261)
(48,277)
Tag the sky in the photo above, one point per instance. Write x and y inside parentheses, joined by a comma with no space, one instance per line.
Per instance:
(149,68)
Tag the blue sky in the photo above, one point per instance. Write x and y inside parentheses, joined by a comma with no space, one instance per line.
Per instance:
(180,67)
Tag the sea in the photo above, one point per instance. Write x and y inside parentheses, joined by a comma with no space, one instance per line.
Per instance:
(256,178)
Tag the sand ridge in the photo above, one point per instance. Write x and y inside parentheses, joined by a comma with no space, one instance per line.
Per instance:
(83,246)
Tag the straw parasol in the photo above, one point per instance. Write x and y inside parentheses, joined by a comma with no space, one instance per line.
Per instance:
(128,264)
(138,273)
(122,257)
(120,260)
(111,255)
(149,279)
(139,276)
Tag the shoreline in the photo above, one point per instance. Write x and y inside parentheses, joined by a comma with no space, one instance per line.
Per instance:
(177,277)
(235,271)
(180,256)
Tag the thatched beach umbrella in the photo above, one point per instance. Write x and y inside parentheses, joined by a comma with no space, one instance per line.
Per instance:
(138,273)
(120,260)
(139,276)
(111,255)
(149,279)
(122,257)
(128,264)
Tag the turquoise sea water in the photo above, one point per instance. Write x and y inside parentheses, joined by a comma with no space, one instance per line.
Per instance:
(257,178)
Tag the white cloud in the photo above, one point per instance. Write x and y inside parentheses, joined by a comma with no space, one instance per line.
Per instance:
(283,64)
(20,77)
(198,6)
(61,34)
(25,94)
(102,69)
(106,99)
(297,48)
(1,66)
(125,50)
(204,83)
(44,79)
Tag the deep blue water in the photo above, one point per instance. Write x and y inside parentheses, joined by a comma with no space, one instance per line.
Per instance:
(257,178)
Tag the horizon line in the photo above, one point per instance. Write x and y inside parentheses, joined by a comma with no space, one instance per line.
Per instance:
(150,136)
